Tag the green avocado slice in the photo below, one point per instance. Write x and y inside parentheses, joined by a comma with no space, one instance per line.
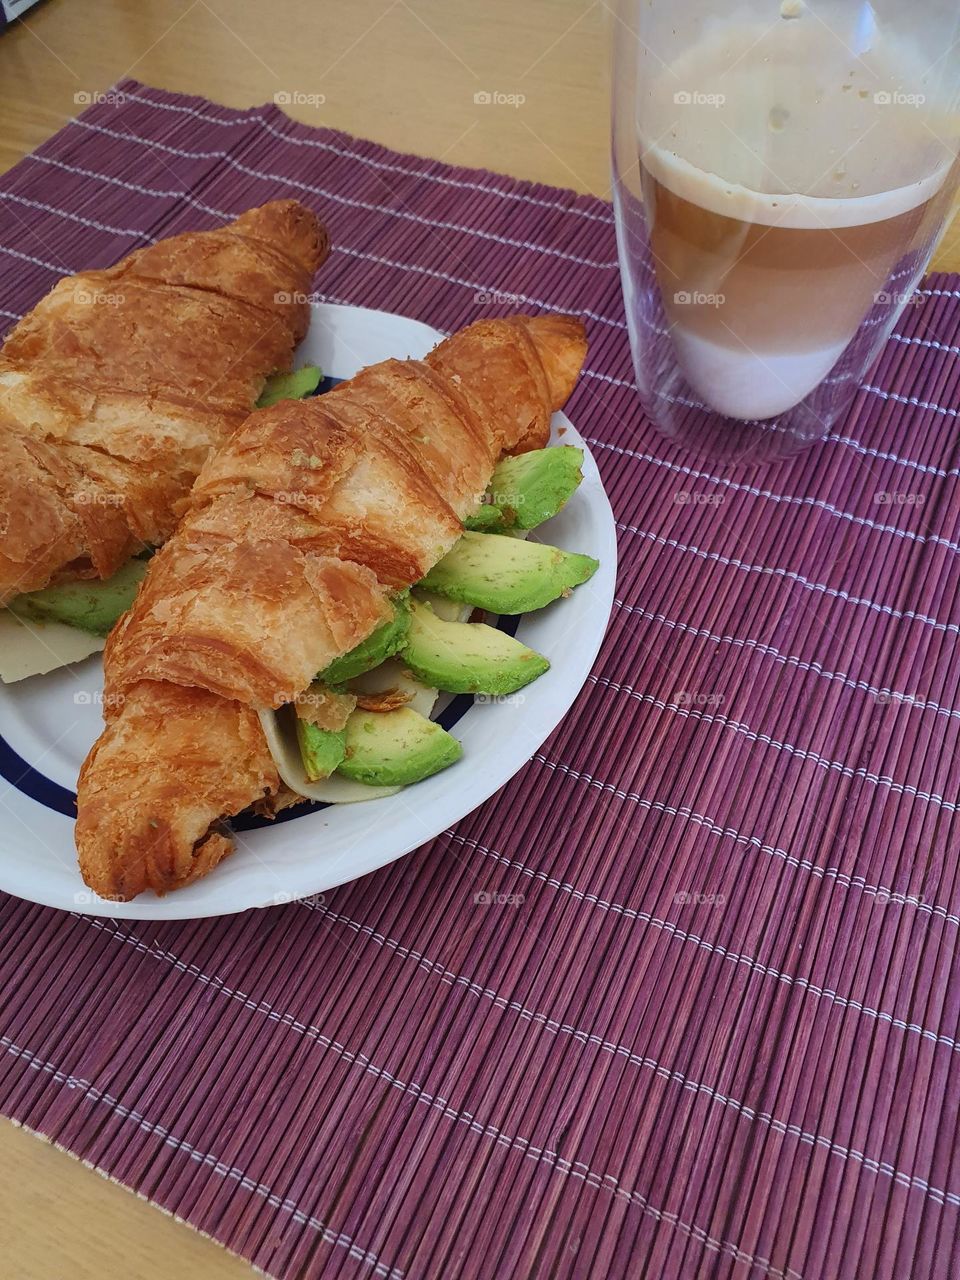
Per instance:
(528,489)
(396,748)
(290,386)
(378,646)
(507,575)
(467,657)
(92,605)
(321,750)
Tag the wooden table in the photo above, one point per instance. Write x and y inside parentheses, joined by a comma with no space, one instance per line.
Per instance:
(403,74)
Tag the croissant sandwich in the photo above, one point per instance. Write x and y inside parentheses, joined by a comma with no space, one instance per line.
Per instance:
(118,384)
(303,537)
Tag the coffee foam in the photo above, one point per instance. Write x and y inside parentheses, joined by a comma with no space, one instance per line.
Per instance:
(731,200)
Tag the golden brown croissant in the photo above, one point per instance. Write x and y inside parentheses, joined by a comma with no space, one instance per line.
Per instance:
(298,531)
(118,384)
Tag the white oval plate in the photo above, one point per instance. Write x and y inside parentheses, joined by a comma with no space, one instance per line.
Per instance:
(49,723)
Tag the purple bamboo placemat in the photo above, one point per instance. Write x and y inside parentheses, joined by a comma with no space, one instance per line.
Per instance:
(682,1000)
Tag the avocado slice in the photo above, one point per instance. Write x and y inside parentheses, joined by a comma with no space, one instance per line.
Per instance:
(507,575)
(92,605)
(290,386)
(321,750)
(528,489)
(396,748)
(378,646)
(467,657)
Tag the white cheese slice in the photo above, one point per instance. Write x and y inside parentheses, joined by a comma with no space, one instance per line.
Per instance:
(279,727)
(34,648)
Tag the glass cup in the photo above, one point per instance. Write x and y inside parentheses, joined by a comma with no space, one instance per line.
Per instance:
(781,177)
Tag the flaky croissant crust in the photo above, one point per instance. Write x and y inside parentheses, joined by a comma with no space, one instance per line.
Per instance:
(117,385)
(298,530)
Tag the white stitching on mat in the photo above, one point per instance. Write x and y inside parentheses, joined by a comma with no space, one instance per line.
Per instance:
(242,117)
(341,249)
(178,1144)
(433,967)
(152,143)
(674,931)
(908,615)
(684,811)
(919,404)
(924,468)
(608,377)
(847,441)
(801,753)
(469,284)
(790,499)
(541,1155)
(839,877)
(72,217)
(253,117)
(768,651)
(37,262)
(864,386)
(352,203)
(926,342)
(129,186)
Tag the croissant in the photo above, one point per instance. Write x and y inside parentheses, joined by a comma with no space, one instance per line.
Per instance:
(298,531)
(118,384)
